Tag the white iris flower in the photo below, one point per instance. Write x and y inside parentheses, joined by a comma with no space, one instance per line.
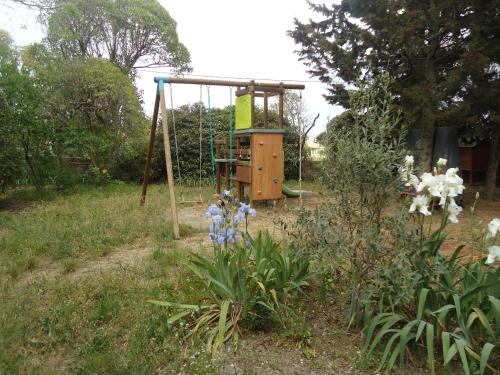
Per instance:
(420,203)
(494,255)
(493,228)
(453,211)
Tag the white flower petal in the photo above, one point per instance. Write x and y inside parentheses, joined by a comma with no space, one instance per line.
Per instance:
(494,254)
(493,228)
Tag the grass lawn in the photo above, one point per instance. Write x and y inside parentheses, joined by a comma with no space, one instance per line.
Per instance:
(77,269)
(81,224)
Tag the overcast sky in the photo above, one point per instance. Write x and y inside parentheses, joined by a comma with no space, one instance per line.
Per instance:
(226,38)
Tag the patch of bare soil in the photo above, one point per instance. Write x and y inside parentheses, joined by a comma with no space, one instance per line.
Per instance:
(15,205)
(332,349)
(459,234)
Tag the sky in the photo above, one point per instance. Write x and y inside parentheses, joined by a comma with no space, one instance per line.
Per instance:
(226,38)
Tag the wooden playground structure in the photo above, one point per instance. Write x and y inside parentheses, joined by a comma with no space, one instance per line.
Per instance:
(250,156)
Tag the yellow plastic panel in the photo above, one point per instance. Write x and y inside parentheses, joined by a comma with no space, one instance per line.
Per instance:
(244,112)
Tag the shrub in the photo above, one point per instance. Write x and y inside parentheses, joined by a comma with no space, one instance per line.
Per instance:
(351,234)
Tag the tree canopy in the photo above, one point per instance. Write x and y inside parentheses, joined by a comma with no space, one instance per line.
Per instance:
(441,54)
(123,31)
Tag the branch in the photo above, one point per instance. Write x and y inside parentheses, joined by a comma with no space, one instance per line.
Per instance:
(38,4)
(312,126)
(307,132)
(158,64)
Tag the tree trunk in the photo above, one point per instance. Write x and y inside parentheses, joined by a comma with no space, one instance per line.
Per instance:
(491,173)
(426,103)
(427,141)
(34,177)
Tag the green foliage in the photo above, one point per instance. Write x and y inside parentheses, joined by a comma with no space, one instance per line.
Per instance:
(453,312)
(94,111)
(441,54)
(26,150)
(65,122)
(121,31)
(351,235)
(242,285)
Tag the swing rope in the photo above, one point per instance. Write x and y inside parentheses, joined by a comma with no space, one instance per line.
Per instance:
(175,135)
(211,140)
(231,109)
(301,136)
(200,129)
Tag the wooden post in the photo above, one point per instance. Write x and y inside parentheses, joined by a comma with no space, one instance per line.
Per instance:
(281,108)
(251,90)
(150,149)
(168,160)
(266,125)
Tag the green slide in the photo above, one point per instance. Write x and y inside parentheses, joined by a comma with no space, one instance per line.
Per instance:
(290,193)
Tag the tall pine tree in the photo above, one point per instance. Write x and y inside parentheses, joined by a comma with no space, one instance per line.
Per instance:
(425,45)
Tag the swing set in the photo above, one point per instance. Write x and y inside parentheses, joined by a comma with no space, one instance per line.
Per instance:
(251,156)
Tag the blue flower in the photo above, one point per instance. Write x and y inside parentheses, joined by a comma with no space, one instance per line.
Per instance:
(213,210)
(252,212)
(231,235)
(239,217)
(218,220)
(244,208)
(226,193)
(247,210)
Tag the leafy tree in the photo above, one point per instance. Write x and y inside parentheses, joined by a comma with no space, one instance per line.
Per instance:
(123,31)
(421,44)
(25,149)
(93,106)
(10,155)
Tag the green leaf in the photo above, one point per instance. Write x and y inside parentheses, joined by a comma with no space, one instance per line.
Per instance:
(448,351)
(178,305)
(388,323)
(485,354)
(388,347)
(463,356)
(178,316)
(421,302)
(405,337)
(496,311)
(222,325)
(420,329)
(484,321)
(429,333)
(441,314)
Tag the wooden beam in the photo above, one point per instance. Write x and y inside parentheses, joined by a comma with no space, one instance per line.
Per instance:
(168,162)
(150,149)
(216,82)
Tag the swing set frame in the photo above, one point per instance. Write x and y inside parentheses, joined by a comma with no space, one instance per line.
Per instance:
(160,105)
